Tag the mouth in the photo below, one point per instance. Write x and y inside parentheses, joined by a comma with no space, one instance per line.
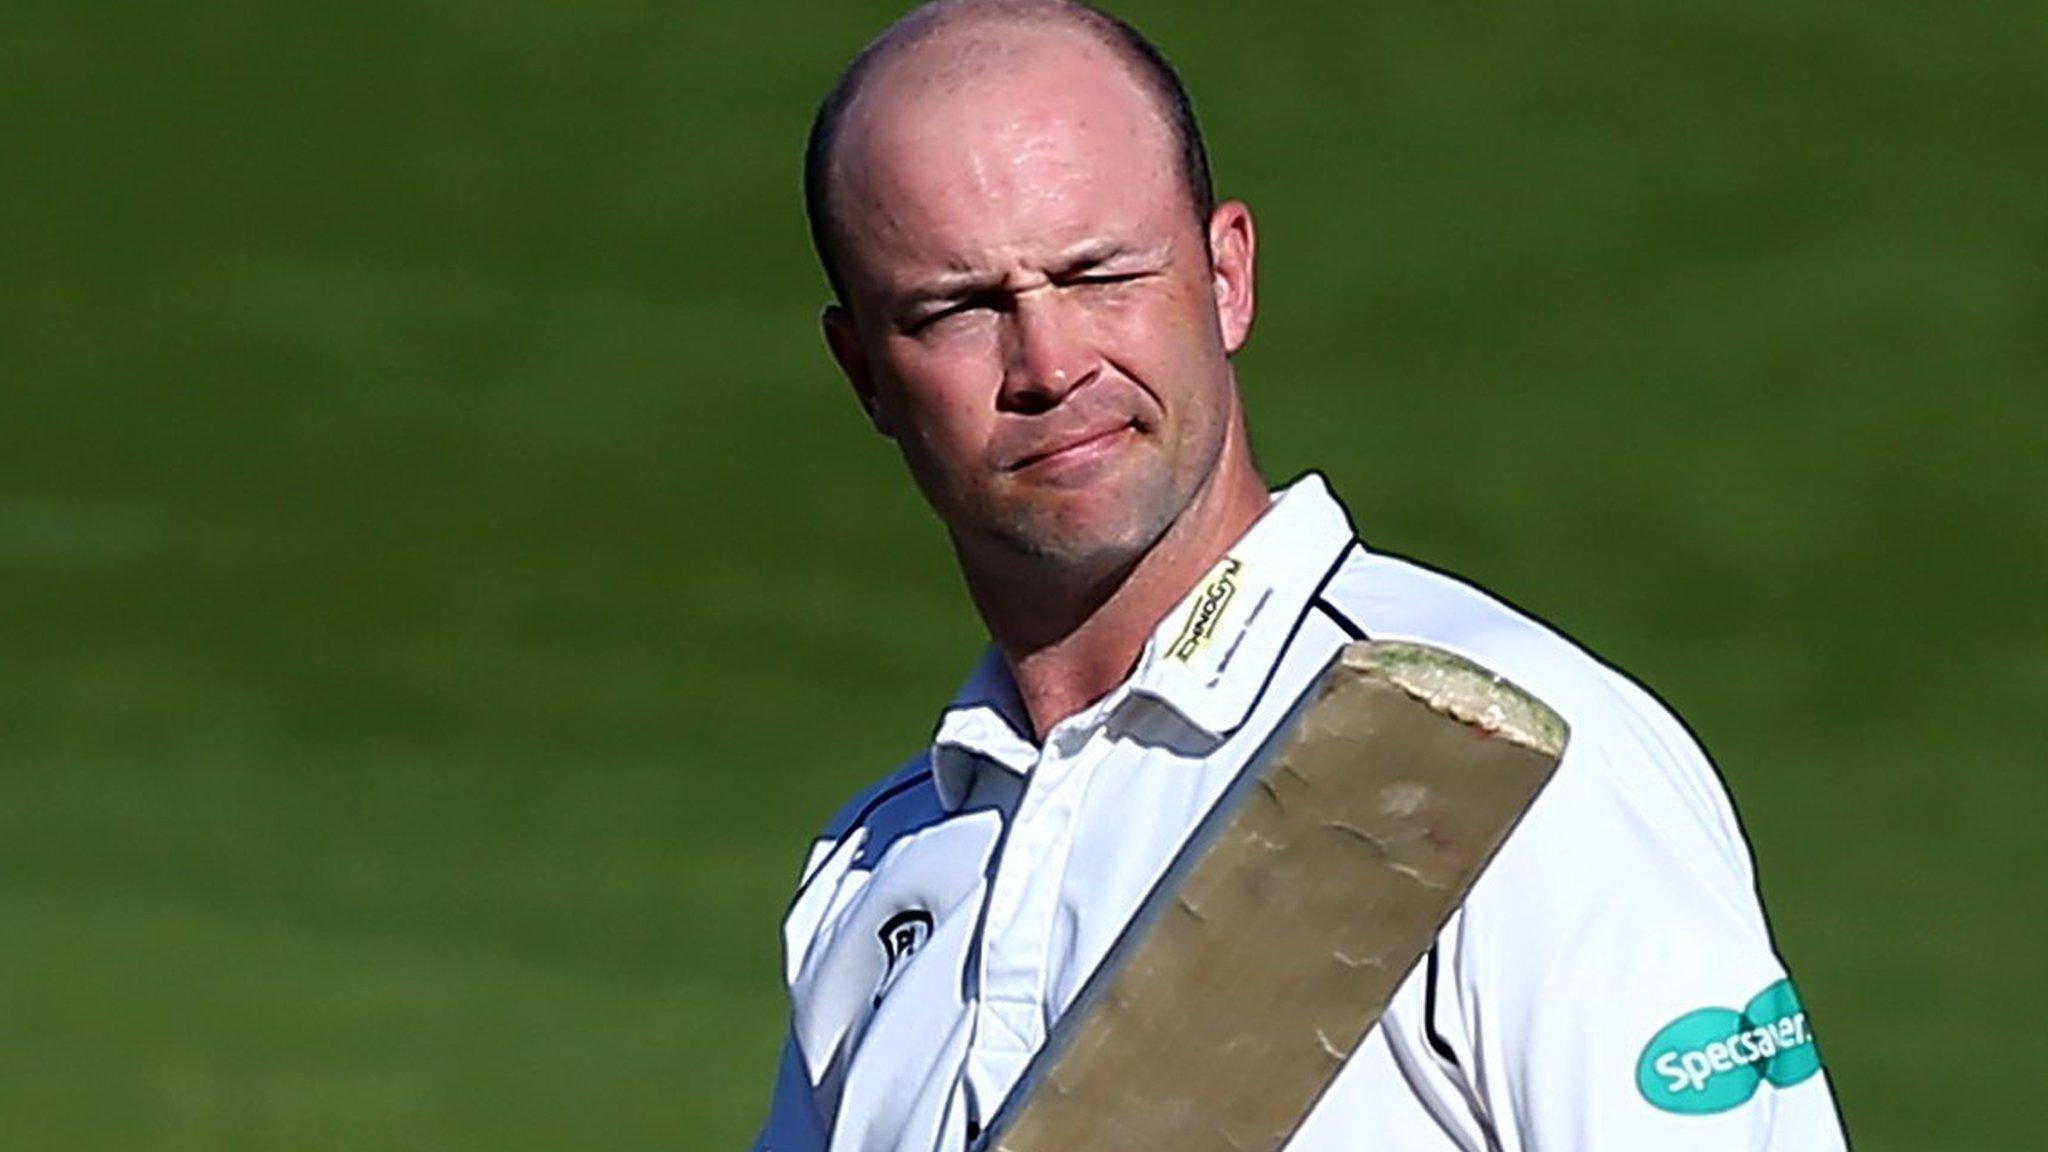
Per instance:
(1074,450)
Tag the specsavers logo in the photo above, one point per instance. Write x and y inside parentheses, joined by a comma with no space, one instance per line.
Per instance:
(1207,613)
(1714,1059)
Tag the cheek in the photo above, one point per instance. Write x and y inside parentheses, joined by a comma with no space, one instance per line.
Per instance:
(1177,309)
(1170,345)
(942,405)
(1181,364)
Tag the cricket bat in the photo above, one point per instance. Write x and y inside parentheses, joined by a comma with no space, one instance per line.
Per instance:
(1273,942)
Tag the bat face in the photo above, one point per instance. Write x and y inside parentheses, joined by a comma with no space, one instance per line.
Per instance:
(1276,938)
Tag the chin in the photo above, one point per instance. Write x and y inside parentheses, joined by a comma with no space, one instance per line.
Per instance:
(1097,535)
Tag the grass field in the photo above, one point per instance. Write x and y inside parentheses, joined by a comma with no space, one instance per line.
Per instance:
(443,585)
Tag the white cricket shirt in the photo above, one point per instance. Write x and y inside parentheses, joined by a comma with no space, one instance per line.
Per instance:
(1609,982)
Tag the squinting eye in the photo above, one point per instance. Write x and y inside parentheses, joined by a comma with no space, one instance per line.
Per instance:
(945,314)
(918,324)
(987,302)
(1101,279)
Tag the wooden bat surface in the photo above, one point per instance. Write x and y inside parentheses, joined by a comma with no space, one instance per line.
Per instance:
(1274,941)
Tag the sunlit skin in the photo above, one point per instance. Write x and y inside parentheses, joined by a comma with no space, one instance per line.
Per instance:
(1040,323)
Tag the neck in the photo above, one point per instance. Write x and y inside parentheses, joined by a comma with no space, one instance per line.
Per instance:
(1070,638)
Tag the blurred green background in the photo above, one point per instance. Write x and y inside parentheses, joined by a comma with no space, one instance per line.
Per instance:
(443,583)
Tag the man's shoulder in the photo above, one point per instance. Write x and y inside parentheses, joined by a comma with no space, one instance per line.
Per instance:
(1647,760)
(900,798)
(850,843)
(1637,820)
(1622,911)
(1391,598)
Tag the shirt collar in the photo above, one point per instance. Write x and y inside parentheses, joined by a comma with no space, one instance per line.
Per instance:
(984,722)
(1207,660)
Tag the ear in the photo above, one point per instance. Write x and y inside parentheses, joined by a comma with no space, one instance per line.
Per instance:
(844,341)
(1233,254)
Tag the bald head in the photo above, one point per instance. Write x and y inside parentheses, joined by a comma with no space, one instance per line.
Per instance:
(941,47)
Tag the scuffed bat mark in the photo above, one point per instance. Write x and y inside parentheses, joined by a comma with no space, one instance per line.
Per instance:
(1187,906)
(1271,792)
(1362,836)
(1403,799)
(1415,874)
(1331,1049)
(1254,836)
(1355,962)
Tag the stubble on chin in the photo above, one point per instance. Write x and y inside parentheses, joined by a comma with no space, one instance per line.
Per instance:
(1086,533)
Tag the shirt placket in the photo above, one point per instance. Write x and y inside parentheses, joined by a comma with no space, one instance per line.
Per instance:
(1023,901)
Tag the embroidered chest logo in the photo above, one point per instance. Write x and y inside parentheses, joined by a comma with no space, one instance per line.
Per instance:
(902,935)
(1207,613)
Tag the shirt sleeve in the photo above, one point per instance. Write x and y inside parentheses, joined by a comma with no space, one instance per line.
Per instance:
(1615,980)
(793,1122)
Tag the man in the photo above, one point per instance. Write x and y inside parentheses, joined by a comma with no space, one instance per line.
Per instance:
(1038,302)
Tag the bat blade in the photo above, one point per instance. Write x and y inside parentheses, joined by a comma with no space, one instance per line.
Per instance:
(1274,941)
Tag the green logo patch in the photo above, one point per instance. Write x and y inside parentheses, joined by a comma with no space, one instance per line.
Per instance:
(1713,1059)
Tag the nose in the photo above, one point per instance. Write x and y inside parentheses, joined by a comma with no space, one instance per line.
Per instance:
(1046,355)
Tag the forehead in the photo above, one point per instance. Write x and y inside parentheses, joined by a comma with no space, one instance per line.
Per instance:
(1011,139)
